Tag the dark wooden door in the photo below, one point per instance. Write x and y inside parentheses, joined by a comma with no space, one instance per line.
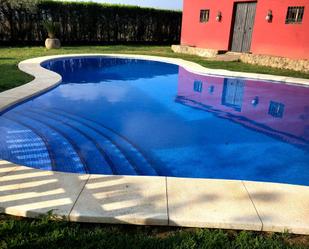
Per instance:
(243,26)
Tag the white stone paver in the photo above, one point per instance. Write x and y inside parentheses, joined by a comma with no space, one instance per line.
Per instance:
(6,168)
(210,203)
(6,102)
(154,200)
(29,192)
(122,199)
(281,207)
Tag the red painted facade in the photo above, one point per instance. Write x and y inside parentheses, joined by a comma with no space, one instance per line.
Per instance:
(270,38)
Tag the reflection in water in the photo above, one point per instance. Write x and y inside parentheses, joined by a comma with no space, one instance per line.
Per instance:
(274,109)
(233,92)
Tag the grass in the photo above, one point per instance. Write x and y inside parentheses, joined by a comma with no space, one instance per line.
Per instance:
(44,233)
(10,56)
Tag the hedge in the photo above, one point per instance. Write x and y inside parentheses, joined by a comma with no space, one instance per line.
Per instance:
(87,23)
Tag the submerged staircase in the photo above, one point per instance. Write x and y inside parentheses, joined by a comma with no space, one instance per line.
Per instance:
(79,145)
(19,144)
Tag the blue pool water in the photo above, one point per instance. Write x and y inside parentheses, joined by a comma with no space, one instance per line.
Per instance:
(135,117)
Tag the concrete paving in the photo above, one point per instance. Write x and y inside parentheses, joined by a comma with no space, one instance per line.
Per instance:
(144,200)
(6,168)
(122,199)
(281,207)
(29,192)
(210,203)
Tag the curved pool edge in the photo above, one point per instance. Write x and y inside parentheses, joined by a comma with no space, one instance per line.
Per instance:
(42,82)
(148,200)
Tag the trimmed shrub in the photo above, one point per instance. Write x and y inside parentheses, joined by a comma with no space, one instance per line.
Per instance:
(87,23)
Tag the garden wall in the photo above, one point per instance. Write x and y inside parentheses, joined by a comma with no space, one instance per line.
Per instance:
(87,23)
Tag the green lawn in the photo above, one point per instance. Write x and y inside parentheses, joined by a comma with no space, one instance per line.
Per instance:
(43,233)
(11,77)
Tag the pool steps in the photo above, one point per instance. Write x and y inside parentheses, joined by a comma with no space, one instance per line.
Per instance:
(70,160)
(116,160)
(113,154)
(26,146)
(132,153)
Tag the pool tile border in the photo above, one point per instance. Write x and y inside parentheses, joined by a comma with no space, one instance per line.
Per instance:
(149,200)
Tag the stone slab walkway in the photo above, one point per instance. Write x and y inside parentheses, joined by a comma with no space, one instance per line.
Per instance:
(143,200)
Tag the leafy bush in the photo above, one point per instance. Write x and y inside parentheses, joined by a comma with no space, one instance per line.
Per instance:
(86,23)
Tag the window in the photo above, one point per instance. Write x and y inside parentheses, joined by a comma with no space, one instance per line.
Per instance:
(198,86)
(294,15)
(276,109)
(204,16)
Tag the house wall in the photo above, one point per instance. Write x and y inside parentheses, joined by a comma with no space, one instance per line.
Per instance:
(274,38)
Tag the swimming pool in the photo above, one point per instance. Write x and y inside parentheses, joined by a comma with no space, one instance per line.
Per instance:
(137,117)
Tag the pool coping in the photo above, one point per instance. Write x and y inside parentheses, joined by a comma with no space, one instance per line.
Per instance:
(145,200)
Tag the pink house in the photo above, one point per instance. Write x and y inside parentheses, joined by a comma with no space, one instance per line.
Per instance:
(270,27)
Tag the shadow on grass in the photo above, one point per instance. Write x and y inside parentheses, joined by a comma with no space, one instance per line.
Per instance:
(6,58)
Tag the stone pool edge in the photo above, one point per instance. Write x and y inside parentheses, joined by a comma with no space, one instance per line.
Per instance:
(147,200)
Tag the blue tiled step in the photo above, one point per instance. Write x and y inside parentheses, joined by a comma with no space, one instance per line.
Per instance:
(20,144)
(56,144)
(89,152)
(119,163)
(136,158)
